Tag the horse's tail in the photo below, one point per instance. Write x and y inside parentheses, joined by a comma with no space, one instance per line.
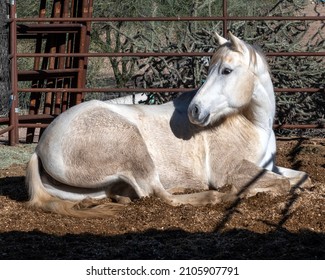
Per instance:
(40,198)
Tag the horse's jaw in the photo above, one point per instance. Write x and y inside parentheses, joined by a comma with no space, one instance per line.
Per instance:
(204,117)
(219,116)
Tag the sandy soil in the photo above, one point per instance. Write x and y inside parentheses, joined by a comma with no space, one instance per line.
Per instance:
(262,227)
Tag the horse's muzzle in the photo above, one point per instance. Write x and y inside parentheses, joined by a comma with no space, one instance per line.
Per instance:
(198,116)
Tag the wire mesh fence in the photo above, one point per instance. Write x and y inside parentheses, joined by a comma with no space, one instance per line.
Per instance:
(164,51)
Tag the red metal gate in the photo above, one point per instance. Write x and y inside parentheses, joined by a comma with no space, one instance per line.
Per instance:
(66,60)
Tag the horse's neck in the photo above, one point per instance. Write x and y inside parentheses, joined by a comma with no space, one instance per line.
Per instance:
(262,107)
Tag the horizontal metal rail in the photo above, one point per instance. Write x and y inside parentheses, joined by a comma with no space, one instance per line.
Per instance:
(7,129)
(277,126)
(298,126)
(43,120)
(41,124)
(28,118)
(156,54)
(27,75)
(139,90)
(47,28)
(181,18)
(33,125)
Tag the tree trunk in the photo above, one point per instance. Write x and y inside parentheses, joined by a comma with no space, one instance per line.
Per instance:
(4,60)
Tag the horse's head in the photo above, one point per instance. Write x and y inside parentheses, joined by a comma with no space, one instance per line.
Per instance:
(230,84)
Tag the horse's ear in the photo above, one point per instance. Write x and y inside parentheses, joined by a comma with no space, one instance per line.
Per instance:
(219,39)
(236,43)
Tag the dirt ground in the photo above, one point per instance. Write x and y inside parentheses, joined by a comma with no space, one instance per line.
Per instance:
(290,226)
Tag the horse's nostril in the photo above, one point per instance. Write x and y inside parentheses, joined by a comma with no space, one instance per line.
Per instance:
(198,115)
(196,111)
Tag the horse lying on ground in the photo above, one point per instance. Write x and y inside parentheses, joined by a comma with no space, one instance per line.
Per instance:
(219,135)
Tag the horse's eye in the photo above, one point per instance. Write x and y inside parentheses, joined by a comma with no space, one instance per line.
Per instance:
(226,71)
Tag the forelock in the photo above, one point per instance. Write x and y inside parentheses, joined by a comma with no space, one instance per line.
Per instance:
(220,54)
(253,51)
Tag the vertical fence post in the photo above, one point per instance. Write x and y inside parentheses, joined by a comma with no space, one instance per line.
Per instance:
(13,115)
(82,40)
(35,97)
(225,16)
(88,12)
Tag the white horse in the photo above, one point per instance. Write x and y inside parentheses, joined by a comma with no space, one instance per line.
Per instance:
(206,139)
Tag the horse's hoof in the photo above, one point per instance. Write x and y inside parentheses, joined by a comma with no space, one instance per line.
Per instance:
(121,199)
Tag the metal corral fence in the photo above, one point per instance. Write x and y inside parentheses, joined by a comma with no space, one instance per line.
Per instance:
(73,19)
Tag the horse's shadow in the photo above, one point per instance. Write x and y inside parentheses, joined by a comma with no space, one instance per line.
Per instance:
(13,187)
(235,244)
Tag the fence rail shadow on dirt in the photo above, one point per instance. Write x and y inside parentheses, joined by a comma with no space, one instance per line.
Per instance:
(169,243)
(235,244)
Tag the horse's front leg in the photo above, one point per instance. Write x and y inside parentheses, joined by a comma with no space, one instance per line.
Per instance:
(248,179)
(196,199)
(296,178)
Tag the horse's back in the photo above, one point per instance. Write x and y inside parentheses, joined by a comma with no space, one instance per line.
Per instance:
(94,140)
(90,143)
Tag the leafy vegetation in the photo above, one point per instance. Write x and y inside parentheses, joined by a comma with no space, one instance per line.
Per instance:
(190,36)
